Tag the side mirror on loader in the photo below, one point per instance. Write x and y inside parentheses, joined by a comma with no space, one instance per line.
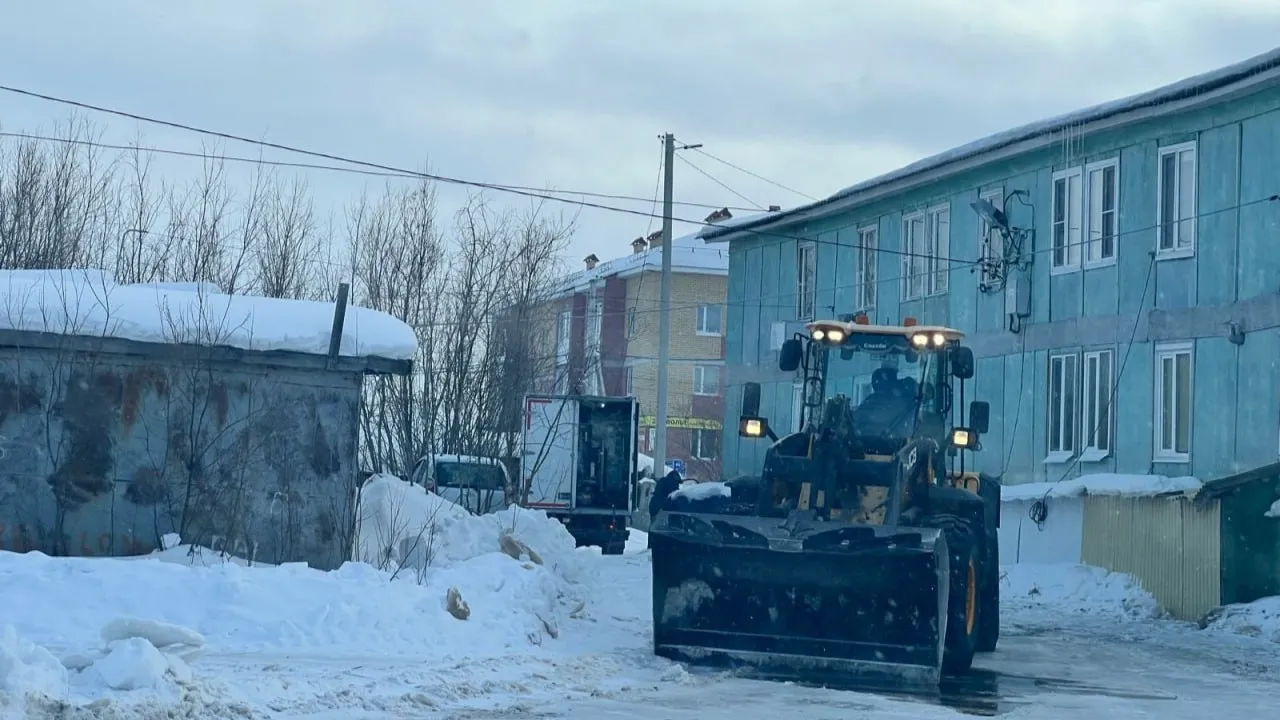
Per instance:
(980,416)
(962,362)
(790,354)
(750,424)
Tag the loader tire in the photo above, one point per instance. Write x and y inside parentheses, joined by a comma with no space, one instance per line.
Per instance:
(964,610)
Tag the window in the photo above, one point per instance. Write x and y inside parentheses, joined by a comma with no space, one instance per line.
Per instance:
(706,379)
(990,241)
(708,320)
(1176,231)
(1068,213)
(631,322)
(564,326)
(797,406)
(1063,419)
(651,438)
(926,239)
(806,280)
(629,381)
(594,317)
(1101,192)
(706,444)
(1173,403)
(865,278)
(1096,404)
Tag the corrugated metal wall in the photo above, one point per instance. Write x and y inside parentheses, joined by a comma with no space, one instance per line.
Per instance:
(1167,544)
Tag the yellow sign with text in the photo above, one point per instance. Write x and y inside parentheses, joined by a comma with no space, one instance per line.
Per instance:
(683,423)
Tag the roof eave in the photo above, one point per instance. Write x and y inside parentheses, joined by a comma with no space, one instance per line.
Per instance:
(1041,140)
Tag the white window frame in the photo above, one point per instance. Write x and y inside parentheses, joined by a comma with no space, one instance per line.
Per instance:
(631,321)
(990,241)
(1072,241)
(865,272)
(700,380)
(806,287)
(695,444)
(1067,422)
(564,336)
(925,259)
(703,313)
(1091,256)
(1171,352)
(651,436)
(595,323)
(1097,404)
(629,380)
(1174,250)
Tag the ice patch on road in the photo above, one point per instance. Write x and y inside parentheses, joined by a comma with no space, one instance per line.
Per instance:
(1079,589)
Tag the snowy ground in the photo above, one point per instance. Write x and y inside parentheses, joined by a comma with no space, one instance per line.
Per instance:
(549,632)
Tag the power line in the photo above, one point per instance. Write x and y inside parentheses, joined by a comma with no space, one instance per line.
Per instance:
(717,181)
(331,168)
(754,175)
(416,174)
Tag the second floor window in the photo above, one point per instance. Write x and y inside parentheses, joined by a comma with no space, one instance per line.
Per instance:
(708,320)
(1177,210)
(926,239)
(706,379)
(865,282)
(806,280)
(564,327)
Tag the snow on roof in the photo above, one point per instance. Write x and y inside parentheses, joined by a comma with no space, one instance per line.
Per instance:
(89,302)
(688,254)
(1075,120)
(1102,484)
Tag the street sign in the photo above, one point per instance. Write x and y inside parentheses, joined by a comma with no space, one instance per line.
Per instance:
(678,466)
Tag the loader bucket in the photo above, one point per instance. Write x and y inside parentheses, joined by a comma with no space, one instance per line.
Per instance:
(858,604)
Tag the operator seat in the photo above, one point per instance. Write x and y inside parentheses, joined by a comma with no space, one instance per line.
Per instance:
(884,406)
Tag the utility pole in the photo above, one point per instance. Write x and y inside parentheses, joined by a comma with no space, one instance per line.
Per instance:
(664,309)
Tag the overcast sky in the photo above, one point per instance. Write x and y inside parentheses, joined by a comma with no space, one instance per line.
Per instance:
(572,94)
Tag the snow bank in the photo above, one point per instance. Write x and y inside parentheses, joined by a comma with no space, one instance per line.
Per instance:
(89,302)
(1260,618)
(701,491)
(1075,589)
(1103,484)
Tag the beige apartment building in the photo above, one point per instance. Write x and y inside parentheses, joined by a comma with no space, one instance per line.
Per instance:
(606,341)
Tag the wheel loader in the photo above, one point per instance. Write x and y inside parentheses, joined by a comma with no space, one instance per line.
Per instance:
(864,551)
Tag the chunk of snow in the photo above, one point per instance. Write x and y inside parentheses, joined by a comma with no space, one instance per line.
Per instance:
(89,302)
(637,541)
(1102,484)
(1273,511)
(159,634)
(1260,618)
(701,491)
(132,664)
(169,541)
(27,668)
(1076,588)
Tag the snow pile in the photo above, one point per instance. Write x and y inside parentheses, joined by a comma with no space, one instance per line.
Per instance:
(637,542)
(1260,618)
(135,658)
(1102,484)
(695,491)
(89,302)
(26,669)
(1273,511)
(1075,589)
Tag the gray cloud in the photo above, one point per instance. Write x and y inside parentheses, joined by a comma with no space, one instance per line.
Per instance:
(816,94)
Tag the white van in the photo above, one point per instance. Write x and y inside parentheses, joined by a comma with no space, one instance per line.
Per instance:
(479,484)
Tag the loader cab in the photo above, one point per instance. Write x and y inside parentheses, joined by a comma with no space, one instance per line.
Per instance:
(917,377)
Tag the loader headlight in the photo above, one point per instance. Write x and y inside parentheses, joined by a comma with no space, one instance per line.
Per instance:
(920,340)
(961,438)
(835,336)
(753,427)
(818,334)
(938,340)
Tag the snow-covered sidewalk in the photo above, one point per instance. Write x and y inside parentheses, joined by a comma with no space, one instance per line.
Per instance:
(453,613)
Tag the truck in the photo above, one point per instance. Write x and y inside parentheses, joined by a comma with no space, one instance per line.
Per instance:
(578,464)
